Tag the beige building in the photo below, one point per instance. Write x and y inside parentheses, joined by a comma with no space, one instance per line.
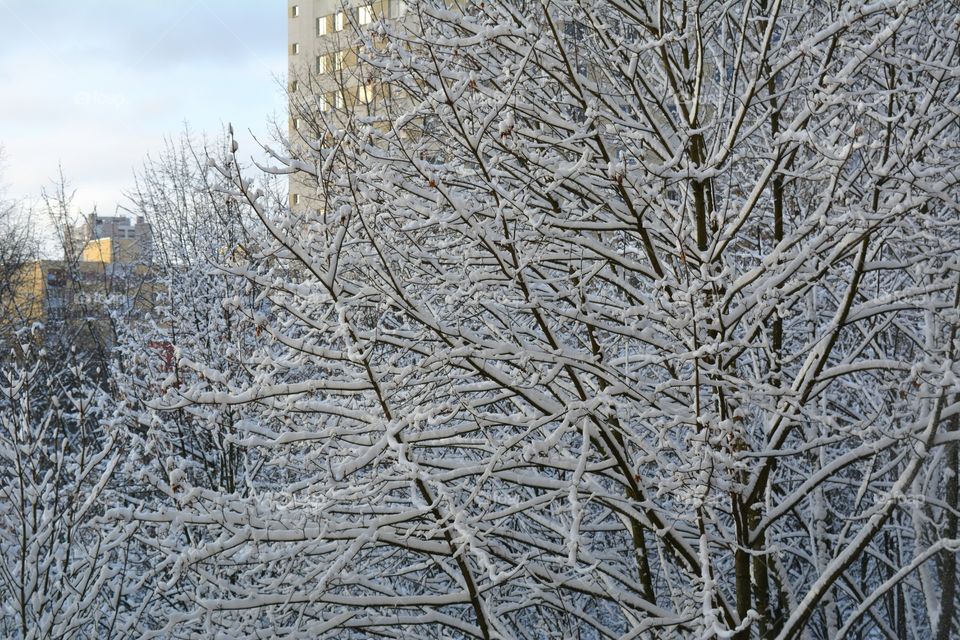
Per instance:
(105,267)
(70,296)
(328,82)
(110,239)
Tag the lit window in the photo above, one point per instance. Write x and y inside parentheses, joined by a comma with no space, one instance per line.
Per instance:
(340,21)
(366,15)
(322,26)
(295,11)
(295,48)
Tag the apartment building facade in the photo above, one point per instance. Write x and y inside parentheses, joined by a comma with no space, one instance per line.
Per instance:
(105,267)
(327,79)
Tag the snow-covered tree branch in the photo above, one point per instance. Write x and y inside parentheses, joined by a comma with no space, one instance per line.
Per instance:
(65,570)
(612,320)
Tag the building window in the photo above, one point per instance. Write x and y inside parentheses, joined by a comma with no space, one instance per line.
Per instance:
(340,21)
(297,123)
(295,48)
(295,11)
(338,58)
(294,86)
(323,64)
(295,199)
(322,26)
(365,16)
(396,8)
(338,100)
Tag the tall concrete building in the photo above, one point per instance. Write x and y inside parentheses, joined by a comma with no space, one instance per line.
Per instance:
(327,77)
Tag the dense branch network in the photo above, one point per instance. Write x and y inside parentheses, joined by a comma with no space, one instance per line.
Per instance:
(610,320)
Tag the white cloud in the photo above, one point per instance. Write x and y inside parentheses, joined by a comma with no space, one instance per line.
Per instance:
(97,85)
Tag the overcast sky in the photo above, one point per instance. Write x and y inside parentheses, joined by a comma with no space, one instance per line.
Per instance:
(96,84)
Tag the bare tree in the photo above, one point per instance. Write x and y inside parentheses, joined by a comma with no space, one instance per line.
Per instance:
(615,321)
(17,248)
(63,568)
(197,225)
(88,298)
(194,221)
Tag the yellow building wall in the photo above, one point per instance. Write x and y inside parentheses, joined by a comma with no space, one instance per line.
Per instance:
(98,251)
(56,291)
(23,301)
(110,250)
